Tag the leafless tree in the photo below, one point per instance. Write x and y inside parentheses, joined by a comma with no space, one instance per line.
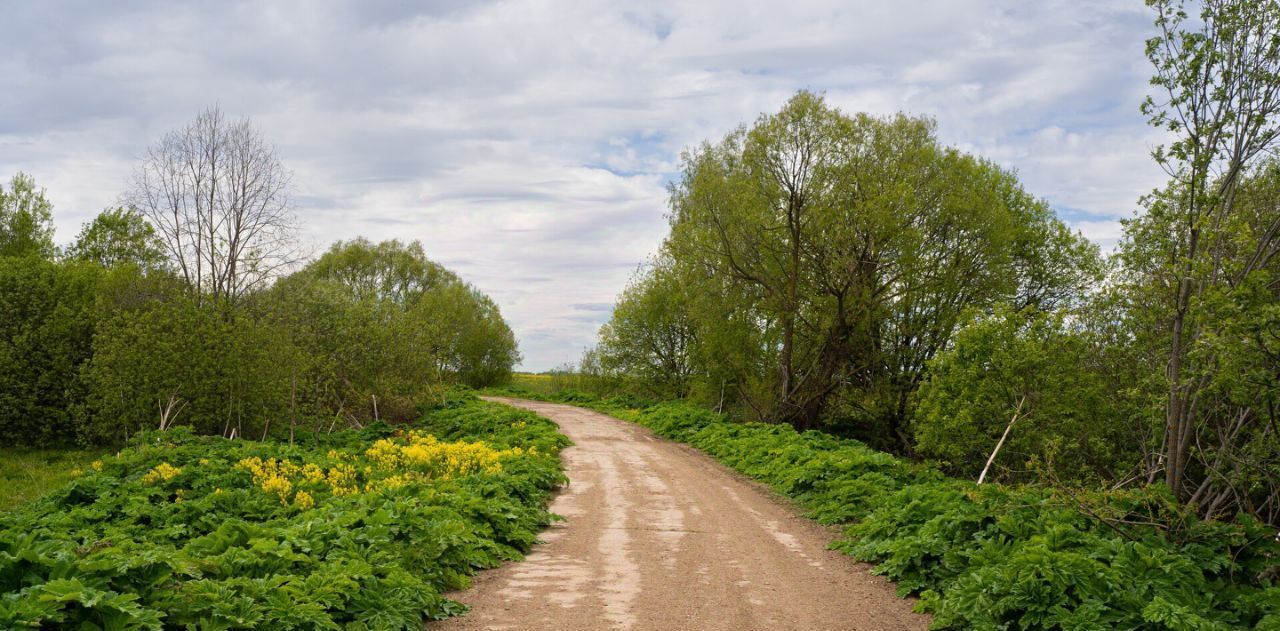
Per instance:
(218,196)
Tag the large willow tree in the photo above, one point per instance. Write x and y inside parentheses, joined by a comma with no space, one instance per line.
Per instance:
(826,257)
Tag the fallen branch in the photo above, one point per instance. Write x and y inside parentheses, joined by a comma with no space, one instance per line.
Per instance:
(1003,437)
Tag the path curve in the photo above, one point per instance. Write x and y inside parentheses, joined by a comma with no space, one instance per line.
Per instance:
(658,535)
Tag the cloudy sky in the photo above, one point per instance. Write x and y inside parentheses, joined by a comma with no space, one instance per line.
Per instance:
(528,143)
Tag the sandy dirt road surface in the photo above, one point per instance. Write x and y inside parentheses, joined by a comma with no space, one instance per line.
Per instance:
(658,535)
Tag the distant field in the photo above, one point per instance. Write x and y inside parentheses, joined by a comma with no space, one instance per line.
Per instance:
(540,384)
(26,474)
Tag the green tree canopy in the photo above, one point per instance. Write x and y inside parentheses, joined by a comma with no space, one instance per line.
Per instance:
(46,331)
(652,335)
(843,250)
(118,236)
(446,328)
(1200,263)
(26,219)
(391,270)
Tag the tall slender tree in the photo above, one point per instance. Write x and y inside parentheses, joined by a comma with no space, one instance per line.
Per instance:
(1217,76)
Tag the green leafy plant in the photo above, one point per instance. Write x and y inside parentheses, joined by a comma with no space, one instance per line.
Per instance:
(180,530)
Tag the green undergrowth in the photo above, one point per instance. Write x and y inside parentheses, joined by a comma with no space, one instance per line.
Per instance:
(356,530)
(995,556)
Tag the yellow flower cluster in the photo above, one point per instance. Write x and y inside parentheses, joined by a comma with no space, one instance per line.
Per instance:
(425,454)
(280,477)
(390,463)
(303,500)
(311,472)
(271,475)
(162,472)
(277,485)
(342,480)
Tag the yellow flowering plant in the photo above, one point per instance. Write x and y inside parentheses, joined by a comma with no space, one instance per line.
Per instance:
(162,472)
(405,458)
(294,513)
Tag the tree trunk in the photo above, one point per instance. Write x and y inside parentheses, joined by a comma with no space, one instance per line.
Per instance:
(1176,415)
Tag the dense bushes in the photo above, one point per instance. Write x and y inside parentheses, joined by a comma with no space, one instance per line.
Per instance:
(135,327)
(199,364)
(46,329)
(1046,382)
(106,339)
(355,529)
(1002,557)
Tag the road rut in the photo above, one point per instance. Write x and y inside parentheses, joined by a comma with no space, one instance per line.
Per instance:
(658,535)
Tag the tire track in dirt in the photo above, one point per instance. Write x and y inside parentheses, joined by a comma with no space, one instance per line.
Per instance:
(659,536)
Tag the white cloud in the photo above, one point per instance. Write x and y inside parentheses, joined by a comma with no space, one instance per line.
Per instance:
(527,142)
(1106,233)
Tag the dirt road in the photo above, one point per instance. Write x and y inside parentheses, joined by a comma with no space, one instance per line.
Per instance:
(659,536)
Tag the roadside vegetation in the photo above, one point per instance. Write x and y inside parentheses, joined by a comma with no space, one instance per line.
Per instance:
(355,529)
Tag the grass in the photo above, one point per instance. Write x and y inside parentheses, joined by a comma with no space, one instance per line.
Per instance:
(26,474)
(537,383)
